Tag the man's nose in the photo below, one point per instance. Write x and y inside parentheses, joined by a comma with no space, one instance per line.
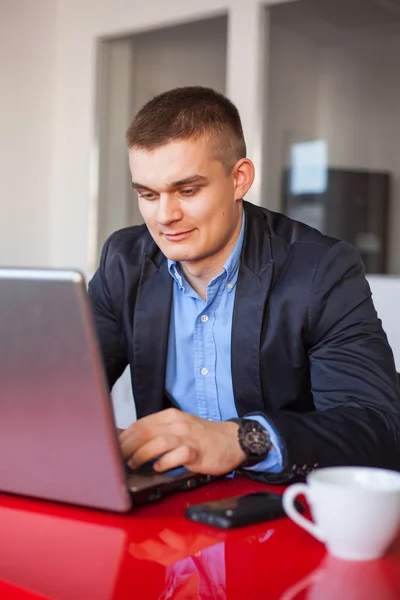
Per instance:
(168,210)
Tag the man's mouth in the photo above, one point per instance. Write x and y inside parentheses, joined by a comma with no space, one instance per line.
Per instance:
(178,236)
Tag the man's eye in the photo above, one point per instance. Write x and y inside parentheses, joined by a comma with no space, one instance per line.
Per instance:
(147,196)
(189,191)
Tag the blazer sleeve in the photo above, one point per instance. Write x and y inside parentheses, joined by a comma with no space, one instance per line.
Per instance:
(106,323)
(353,378)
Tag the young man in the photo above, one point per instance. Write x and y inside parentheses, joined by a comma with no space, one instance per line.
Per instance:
(225,310)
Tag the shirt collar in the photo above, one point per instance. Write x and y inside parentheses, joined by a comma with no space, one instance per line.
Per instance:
(231,267)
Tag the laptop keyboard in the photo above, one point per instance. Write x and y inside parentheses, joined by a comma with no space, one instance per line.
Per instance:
(146,469)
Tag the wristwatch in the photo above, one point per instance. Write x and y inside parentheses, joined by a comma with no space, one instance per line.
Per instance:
(254,440)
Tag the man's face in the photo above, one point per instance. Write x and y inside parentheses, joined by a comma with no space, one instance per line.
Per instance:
(188,201)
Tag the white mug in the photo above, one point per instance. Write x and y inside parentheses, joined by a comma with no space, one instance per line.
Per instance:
(356,510)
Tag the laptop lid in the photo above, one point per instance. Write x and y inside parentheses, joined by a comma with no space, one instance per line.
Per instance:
(57,434)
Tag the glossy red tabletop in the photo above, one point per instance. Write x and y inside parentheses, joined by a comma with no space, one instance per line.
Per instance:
(63,553)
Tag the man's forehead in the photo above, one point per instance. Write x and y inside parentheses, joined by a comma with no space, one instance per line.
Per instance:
(184,148)
(171,163)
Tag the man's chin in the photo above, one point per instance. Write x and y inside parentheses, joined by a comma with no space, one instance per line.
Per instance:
(179,253)
(176,256)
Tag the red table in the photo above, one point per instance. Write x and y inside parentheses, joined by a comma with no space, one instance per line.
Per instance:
(65,553)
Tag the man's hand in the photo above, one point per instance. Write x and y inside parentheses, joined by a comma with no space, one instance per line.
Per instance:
(179,439)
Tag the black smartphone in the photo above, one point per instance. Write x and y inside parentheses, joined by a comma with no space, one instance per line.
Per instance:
(239,510)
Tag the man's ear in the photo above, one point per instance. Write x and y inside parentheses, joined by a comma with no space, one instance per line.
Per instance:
(243,177)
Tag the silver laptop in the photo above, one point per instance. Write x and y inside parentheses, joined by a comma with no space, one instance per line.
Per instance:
(58,439)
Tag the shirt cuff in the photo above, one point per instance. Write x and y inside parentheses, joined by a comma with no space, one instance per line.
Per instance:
(273,463)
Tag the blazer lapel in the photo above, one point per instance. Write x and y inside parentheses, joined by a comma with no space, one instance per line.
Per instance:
(150,335)
(253,285)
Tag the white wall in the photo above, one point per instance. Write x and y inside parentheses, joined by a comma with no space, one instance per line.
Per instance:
(347,94)
(386,296)
(27,76)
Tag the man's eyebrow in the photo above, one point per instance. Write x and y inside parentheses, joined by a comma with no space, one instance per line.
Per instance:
(140,186)
(174,184)
(187,181)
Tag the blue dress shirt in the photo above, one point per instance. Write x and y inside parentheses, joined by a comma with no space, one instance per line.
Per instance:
(198,374)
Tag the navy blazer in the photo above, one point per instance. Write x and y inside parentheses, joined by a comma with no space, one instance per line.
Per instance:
(308,350)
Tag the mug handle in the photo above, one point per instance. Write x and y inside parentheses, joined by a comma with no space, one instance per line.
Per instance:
(289,496)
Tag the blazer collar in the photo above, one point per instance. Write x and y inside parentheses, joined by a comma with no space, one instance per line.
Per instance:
(257,250)
(150,334)
(249,314)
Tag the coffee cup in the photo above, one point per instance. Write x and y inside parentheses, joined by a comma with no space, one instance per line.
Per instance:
(356,510)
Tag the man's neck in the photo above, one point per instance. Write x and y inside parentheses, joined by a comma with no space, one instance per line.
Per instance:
(199,276)
(200,273)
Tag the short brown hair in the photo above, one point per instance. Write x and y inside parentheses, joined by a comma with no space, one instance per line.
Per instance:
(190,112)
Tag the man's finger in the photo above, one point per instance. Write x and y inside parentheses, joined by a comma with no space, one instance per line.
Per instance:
(156,447)
(170,415)
(182,456)
(137,438)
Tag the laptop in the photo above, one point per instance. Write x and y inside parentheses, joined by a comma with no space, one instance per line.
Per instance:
(58,439)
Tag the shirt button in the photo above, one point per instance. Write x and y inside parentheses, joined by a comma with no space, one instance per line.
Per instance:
(204,371)
(204,318)
(229,286)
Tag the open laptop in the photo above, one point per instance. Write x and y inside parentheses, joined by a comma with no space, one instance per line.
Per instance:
(58,439)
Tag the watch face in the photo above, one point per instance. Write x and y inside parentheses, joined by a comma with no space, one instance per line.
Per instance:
(255,438)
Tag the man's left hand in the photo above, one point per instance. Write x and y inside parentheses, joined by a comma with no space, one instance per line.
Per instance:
(177,439)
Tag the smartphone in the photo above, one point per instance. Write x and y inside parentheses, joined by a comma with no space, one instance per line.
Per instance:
(239,510)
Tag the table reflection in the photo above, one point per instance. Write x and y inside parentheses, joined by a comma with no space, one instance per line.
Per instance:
(54,557)
(338,579)
(196,563)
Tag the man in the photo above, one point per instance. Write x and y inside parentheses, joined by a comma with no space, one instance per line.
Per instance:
(225,310)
